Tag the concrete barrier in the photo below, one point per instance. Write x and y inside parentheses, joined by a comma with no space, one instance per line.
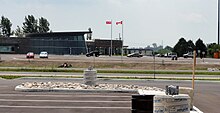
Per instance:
(90,77)
(172,104)
(188,91)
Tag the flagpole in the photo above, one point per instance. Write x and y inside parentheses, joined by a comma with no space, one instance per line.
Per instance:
(122,53)
(111,38)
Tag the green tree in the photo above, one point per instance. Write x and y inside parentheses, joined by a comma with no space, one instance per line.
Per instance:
(169,48)
(43,25)
(212,48)
(181,47)
(5,26)
(191,46)
(19,32)
(200,48)
(30,24)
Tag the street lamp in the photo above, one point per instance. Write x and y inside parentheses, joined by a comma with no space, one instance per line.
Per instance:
(154,62)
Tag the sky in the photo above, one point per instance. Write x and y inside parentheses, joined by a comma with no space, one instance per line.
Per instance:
(144,21)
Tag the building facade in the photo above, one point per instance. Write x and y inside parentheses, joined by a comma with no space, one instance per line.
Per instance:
(104,46)
(72,43)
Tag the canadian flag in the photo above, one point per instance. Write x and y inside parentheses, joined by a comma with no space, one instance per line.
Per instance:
(119,22)
(108,22)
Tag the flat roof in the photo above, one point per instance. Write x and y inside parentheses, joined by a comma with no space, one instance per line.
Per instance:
(53,34)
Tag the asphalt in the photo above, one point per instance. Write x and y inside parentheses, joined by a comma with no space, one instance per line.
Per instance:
(24,89)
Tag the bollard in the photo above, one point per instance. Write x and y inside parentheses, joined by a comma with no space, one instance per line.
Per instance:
(90,76)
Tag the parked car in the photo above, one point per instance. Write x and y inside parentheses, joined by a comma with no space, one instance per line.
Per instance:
(30,55)
(159,55)
(91,53)
(43,54)
(135,55)
(170,55)
(188,55)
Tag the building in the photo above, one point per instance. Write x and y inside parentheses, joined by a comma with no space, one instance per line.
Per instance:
(104,46)
(144,51)
(72,43)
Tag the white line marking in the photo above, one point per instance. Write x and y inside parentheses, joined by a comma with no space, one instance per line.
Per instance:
(63,107)
(197,110)
(73,101)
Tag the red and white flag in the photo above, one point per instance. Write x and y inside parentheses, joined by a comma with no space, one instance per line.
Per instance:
(108,22)
(119,22)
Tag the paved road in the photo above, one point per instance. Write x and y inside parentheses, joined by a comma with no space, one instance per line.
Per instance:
(207,96)
(83,58)
(59,102)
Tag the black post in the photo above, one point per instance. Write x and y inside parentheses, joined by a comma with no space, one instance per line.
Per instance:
(142,103)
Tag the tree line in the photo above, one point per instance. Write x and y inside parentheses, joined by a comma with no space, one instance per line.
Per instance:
(30,25)
(183,46)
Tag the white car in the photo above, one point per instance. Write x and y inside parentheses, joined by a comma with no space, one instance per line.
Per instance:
(135,55)
(188,55)
(43,54)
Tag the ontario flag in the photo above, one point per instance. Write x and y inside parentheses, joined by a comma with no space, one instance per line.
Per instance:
(119,22)
(108,22)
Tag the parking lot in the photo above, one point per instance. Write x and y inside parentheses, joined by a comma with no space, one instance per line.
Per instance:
(102,58)
(206,96)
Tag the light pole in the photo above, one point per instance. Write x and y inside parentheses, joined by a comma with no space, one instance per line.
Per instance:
(194,68)
(154,64)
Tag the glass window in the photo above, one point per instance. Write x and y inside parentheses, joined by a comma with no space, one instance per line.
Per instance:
(80,38)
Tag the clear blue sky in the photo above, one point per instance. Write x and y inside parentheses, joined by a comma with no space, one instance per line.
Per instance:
(145,21)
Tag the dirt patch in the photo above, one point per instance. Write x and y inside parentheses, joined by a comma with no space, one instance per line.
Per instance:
(111,65)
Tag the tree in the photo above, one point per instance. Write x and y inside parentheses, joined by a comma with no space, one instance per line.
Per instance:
(168,48)
(19,32)
(30,24)
(154,45)
(5,26)
(181,47)
(191,46)
(212,48)
(43,25)
(200,48)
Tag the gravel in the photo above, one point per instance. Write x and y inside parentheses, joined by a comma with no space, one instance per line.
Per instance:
(70,85)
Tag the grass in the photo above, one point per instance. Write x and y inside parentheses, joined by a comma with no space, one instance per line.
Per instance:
(124,78)
(15,77)
(69,70)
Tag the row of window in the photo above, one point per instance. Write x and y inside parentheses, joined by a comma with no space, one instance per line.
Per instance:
(62,51)
(6,49)
(75,38)
(58,43)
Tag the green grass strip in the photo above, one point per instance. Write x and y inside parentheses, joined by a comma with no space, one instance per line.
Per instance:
(126,78)
(105,71)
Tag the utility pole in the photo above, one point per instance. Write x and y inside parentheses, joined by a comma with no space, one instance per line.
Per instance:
(194,67)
